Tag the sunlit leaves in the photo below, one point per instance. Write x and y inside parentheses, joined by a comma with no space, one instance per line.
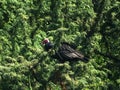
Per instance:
(24,25)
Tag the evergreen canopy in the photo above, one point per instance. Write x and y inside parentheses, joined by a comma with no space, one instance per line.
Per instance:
(92,25)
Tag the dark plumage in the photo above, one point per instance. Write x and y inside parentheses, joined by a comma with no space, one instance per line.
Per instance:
(66,53)
(48,46)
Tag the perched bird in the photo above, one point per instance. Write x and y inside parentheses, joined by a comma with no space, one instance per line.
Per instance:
(65,52)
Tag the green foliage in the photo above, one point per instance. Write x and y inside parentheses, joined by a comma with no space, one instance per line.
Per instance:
(93,26)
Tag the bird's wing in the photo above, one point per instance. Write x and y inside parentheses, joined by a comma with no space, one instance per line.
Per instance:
(69,53)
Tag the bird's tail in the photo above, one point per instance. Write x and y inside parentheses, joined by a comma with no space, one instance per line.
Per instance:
(85,59)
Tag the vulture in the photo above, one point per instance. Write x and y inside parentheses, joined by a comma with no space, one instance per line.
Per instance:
(65,52)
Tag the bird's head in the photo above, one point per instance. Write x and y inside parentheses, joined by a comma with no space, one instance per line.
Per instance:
(45,41)
(47,44)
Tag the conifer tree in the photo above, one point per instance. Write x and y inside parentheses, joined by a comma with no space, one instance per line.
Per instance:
(92,26)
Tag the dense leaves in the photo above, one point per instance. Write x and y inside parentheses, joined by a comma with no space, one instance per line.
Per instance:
(92,26)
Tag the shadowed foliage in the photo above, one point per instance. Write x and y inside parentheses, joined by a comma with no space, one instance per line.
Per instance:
(90,26)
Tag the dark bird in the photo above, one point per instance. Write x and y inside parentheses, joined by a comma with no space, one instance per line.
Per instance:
(65,52)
